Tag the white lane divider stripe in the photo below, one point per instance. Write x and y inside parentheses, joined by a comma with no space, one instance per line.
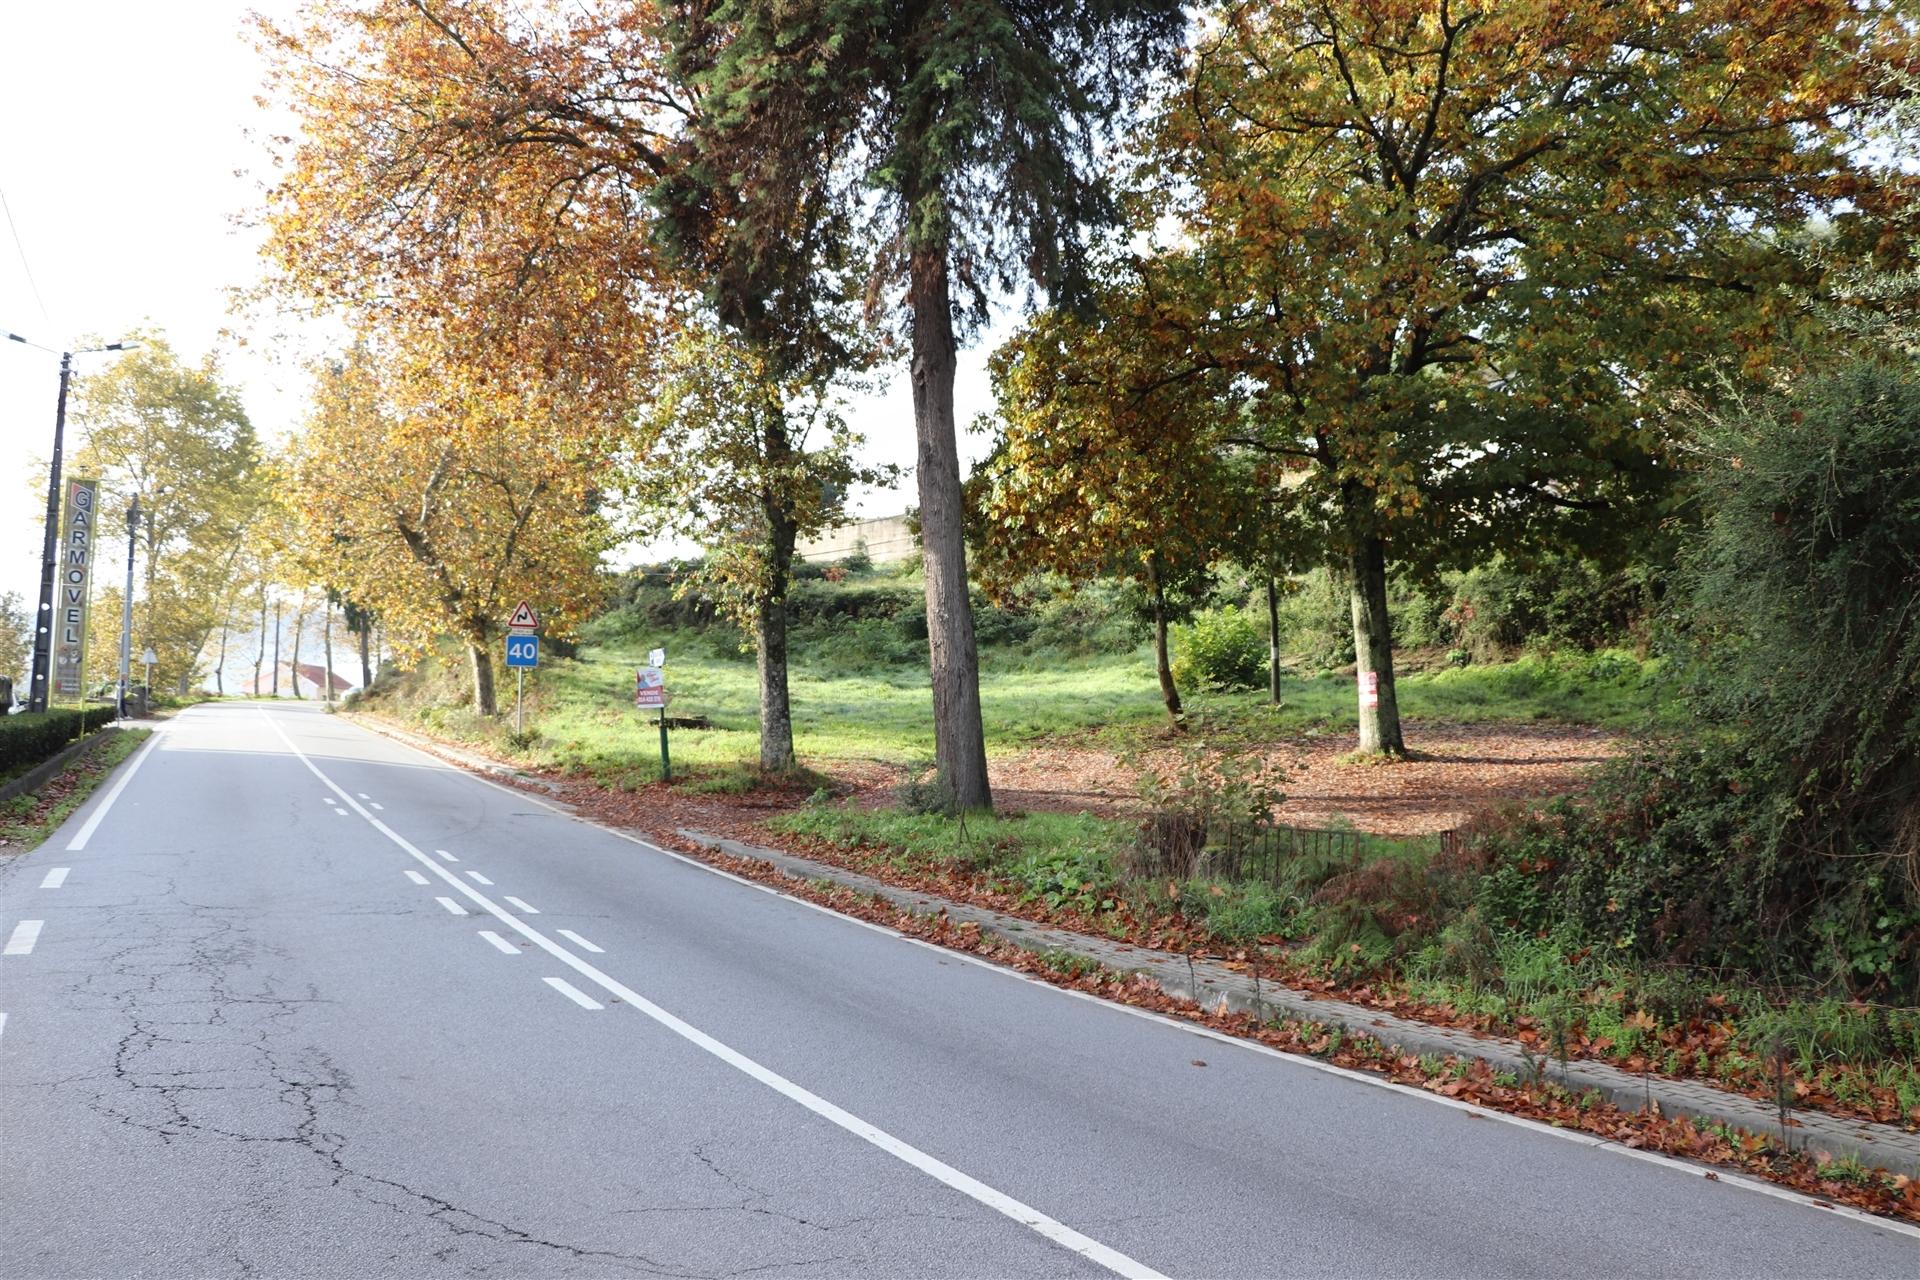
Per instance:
(25,934)
(416,877)
(377,806)
(579,941)
(574,993)
(56,877)
(442,852)
(499,943)
(1049,1228)
(521,906)
(478,878)
(3,1024)
(452,906)
(363,795)
(92,823)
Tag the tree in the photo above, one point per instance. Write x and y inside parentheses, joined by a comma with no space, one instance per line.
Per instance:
(1458,258)
(1096,471)
(966,137)
(439,498)
(176,435)
(744,464)
(16,638)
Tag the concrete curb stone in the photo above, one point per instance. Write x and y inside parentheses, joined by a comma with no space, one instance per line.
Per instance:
(1207,982)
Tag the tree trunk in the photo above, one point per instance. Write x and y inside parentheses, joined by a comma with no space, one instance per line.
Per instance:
(1273,639)
(220,672)
(959,738)
(1373,649)
(293,663)
(1162,661)
(770,619)
(480,657)
(326,643)
(276,648)
(262,656)
(366,663)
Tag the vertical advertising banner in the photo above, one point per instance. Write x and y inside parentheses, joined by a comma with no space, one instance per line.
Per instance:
(73,585)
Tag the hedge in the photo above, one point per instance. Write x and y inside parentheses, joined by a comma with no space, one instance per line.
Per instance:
(26,740)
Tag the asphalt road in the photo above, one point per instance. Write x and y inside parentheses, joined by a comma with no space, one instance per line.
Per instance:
(304,1002)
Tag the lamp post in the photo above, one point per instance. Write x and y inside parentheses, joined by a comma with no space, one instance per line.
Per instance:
(37,693)
(126,605)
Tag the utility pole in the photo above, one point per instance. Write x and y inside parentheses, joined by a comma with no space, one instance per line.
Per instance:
(126,605)
(42,684)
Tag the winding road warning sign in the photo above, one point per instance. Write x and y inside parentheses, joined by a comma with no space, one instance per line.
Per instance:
(524,618)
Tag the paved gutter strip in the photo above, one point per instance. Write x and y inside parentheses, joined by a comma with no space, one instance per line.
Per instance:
(1874,1144)
(1208,982)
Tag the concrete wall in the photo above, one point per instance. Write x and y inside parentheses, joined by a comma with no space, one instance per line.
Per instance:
(888,538)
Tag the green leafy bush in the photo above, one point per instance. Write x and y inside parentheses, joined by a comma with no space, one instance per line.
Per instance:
(26,740)
(1220,649)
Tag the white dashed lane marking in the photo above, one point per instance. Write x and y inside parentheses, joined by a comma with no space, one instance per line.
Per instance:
(574,993)
(25,934)
(521,906)
(452,906)
(449,857)
(579,941)
(478,878)
(416,877)
(499,943)
(55,878)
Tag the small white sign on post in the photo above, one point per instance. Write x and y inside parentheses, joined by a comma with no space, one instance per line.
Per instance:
(656,657)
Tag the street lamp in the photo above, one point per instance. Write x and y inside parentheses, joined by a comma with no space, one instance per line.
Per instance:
(37,693)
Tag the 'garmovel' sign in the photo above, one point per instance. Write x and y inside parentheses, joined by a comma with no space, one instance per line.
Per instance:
(76,572)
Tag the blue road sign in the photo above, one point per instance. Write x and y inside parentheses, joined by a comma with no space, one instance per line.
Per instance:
(523,650)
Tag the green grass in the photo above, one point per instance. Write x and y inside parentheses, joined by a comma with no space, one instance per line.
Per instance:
(583,721)
(27,820)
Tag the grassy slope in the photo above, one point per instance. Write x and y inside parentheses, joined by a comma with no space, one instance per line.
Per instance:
(582,714)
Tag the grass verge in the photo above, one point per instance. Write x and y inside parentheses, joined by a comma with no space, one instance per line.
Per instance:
(27,820)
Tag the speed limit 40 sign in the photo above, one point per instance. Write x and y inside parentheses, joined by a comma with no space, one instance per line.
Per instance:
(523,649)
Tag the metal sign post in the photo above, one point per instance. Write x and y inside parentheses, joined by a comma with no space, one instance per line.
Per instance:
(523,651)
(650,690)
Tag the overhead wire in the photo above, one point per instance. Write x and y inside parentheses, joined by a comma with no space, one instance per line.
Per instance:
(25,266)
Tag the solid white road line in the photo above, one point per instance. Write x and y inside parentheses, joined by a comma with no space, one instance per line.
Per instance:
(499,943)
(1049,1228)
(579,941)
(442,852)
(1577,1137)
(416,877)
(3,1024)
(92,823)
(478,878)
(574,993)
(452,906)
(55,878)
(521,906)
(25,934)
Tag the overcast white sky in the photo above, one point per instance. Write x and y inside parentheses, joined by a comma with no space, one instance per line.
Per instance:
(124,157)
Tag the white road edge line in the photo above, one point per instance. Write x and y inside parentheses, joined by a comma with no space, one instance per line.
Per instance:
(522,906)
(499,943)
(3,1024)
(452,907)
(574,993)
(477,878)
(25,934)
(1670,1163)
(56,877)
(92,823)
(579,941)
(1058,1232)
(416,877)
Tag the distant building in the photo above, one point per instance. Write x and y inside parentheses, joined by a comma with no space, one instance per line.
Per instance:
(887,539)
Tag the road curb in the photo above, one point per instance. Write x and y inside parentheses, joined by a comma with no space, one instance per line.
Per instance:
(1209,983)
(33,778)
(446,751)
